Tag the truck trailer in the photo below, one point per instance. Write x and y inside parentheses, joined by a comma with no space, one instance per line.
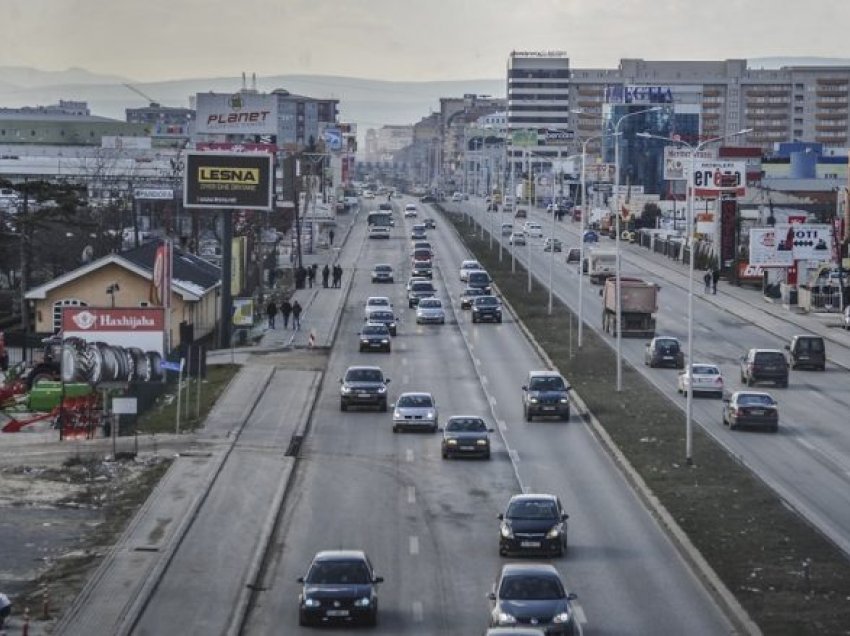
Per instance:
(600,264)
(639,305)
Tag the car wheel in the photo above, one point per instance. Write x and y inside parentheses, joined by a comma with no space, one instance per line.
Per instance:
(434,428)
(395,428)
(372,620)
(474,320)
(384,406)
(499,320)
(784,384)
(410,304)
(750,381)
(343,406)
(302,619)
(527,415)
(823,367)
(732,426)
(487,455)
(774,429)
(445,455)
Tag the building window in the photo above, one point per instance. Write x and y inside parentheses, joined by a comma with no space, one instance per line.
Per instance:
(32,133)
(57,310)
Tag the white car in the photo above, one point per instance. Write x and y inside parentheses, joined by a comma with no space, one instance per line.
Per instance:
(517,238)
(466,267)
(415,410)
(534,230)
(707,378)
(457,196)
(368,194)
(410,210)
(507,229)
(430,310)
(377,302)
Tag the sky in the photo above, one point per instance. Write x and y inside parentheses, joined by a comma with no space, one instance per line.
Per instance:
(154,40)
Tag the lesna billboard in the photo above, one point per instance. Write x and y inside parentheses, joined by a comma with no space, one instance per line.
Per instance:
(228,180)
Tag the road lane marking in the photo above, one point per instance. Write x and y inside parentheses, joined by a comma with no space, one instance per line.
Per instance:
(411,494)
(484,380)
(404,362)
(806,443)
(477,361)
(418,611)
(514,455)
(405,379)
(579,613)
(414,545)
(503,425)
(492,400)
(408,454)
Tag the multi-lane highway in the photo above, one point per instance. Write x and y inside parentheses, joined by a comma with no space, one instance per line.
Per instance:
(429,525)
(813,440)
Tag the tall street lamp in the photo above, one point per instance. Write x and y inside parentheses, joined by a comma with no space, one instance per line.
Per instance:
(618,289)
(690,232)
(552,232)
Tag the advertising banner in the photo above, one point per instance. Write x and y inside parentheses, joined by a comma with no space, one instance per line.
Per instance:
(728,215)
(239,259)
(599,172)
(153,194)
(765,249)
(224,146)
(237,114)
(243,312)
(783,244)
(677,162)
(332,138)
(228,180)
(554,137)
(112,344)
(709,178)
(524,138)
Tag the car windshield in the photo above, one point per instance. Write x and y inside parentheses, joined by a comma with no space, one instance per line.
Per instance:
(667,346)
(546,383)
(430,303)
(752,399)
(378,302)
(422,287)
(375,330)
(383,268)
(527,587)
(770,357)
(381,315)
(486,301)
(414,401)
(702,369)
(364,375)
(339,572)
(479,277)
(422,265)
(533,509)
(466,424)
(470,265)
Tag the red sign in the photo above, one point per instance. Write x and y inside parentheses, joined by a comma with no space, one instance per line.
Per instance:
(92,319)
(750,272)
(728,214)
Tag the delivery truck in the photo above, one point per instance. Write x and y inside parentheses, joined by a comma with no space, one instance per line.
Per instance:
(638,308)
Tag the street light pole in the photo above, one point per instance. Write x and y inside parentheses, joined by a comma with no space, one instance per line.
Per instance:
(618,289)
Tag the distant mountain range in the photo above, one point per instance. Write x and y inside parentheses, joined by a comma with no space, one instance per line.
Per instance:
(370,103)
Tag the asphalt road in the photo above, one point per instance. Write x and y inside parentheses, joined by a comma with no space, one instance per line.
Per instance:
(429,525)
(808,461)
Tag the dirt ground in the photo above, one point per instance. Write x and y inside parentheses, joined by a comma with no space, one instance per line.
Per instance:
(753,542)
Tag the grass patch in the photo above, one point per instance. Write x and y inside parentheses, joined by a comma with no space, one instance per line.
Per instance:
(752,541)
(163,416)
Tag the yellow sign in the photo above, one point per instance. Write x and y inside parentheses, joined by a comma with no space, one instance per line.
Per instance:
(249,176)
(243,312)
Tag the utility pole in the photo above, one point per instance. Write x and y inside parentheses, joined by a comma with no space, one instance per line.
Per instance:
(25,231)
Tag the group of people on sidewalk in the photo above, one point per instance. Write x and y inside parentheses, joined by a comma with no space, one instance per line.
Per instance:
(335,272)
(286,309)
(710,279)
(306,276)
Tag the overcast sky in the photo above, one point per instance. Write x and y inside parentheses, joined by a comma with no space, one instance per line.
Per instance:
(149,40)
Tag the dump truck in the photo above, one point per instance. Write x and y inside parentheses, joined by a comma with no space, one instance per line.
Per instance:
(638,309)
(600,264)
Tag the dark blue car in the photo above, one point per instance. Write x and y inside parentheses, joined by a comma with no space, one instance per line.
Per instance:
(591,237)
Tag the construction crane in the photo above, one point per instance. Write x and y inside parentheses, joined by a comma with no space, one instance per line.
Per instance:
(153,103)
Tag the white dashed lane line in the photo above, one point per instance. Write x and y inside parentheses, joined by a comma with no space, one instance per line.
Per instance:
(408,454)
(414,545)
(418,611)
(411,494)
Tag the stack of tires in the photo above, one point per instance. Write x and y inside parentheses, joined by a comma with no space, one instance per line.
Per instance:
(96,362)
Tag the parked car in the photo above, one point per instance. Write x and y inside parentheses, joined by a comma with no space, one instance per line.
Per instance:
(430,310)
(382,273)
(533,524)
(415,411)
(363,386)
(534,594)
(545,393)
(664,351)
(764,365)
(706,378)
(466,436)
(552,243)
(340,586)
(749,408)
(807,351)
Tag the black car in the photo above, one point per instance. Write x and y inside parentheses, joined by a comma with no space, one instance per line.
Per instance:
(545,393)
(469,294)
(807,351)
(386,318)
(514,631)
(534,595)
(429,223)
(418,291)
(664,351)
(375,337)
(764,365)
(428,199)
(340,587)
(479,278)
(752,409)
(363,386)
(533,524)
(466,436)
(422,269)
(486,308)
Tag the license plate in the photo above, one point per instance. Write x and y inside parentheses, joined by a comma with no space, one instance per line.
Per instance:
(363,395)
(467,448)
(334,613)
(668,357)
(548,408)
(757,412)
(530,544)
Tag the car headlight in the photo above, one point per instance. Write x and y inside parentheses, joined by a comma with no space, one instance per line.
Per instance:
(563,617)
(533,400)
(564,400)
(345,390)
(382,389)
(363,602)
(396,415)
(553,533)
(507,532)
(311,602)
(384,341)
(364,340)
(481,442)
(451,442)
(429,415)
(506,619)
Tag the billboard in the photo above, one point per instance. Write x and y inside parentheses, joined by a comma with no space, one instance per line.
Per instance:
(781,245)
(708,178)
(237,114)
(243,312)
(332,138)
(153,194)
(524,137)
(112,344)
(557,137)
(228,180)
(677,162)
(632,94)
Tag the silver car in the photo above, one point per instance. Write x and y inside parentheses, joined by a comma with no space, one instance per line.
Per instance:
(415,411)
(430,310)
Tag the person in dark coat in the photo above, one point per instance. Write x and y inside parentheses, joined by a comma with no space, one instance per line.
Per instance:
(300,277)
(310,275)
(271,312)
(715,276)
(337,275)
(296,316)
(326,272)
(285,310)
(331,237)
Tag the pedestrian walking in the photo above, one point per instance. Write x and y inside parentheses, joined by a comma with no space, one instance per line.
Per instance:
(331,237)
(271,312)
(300,277)
(315,270)
(326,272)
(285,310)
(5,609)
(296,315)
(337,275)
(310,277)
(707,280)
(715,276)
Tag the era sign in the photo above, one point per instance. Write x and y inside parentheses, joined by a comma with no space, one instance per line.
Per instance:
(711,178)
